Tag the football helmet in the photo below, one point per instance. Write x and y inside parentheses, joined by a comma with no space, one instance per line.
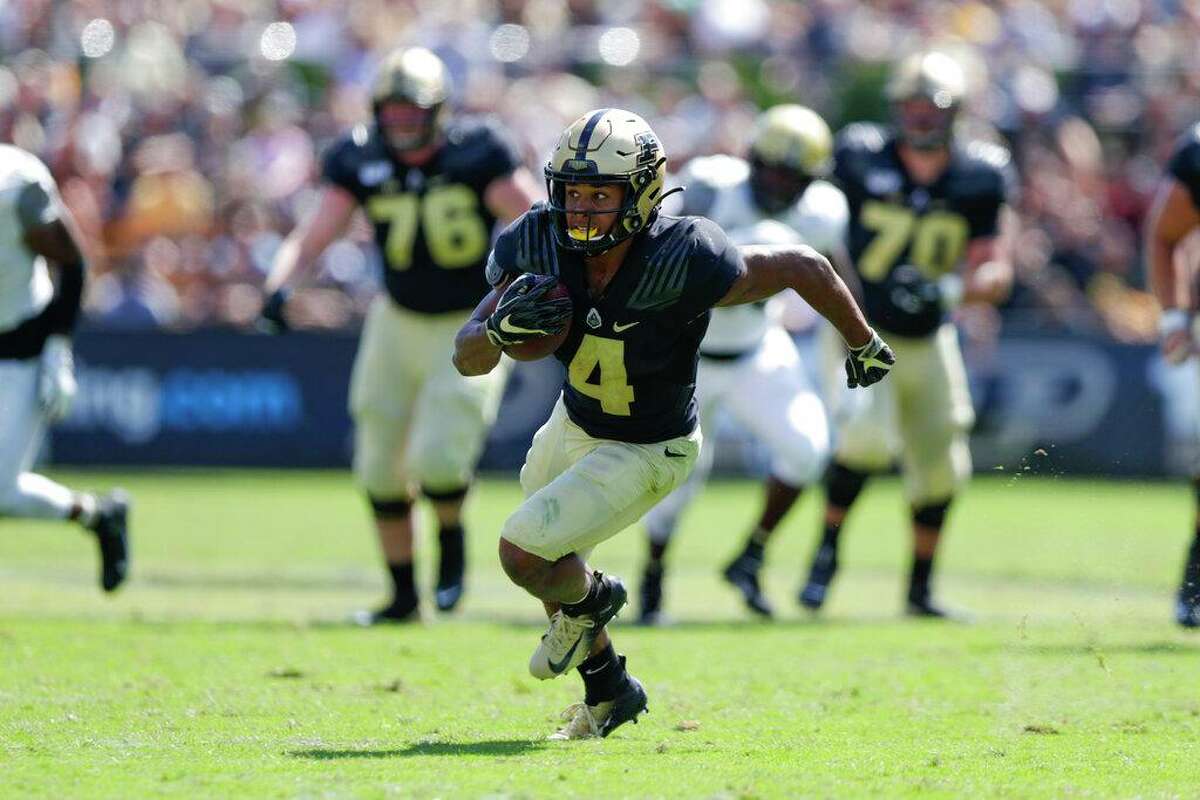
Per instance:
(606,146)
(415,77)
(790,146)
(926,90)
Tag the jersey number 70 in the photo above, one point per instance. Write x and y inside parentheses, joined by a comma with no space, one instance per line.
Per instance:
(937,240)
(449,216)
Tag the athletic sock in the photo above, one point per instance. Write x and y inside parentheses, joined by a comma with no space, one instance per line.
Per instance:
(830,537)
(753,550)
(603,676)
(1191,572)
(404,588)
(452,542)
(84,509)
(918,582)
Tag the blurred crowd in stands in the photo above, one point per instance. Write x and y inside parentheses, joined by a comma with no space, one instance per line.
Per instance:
(186,134)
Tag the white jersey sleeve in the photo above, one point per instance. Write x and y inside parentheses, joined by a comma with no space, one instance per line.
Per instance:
(28,197)
(820,217)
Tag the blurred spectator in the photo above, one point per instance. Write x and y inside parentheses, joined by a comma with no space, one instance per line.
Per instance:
(198,123)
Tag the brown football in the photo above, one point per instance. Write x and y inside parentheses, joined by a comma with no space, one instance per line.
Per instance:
(542,346)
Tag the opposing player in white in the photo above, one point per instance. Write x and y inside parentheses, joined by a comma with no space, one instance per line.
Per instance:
(749,366)
(37,380)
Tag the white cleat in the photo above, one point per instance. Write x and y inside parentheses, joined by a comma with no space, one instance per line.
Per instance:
(582,722)
(563,647)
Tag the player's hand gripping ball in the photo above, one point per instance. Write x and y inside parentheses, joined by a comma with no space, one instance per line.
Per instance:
(532,317)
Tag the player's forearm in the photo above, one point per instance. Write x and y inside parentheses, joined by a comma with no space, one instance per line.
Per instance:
(290,259)
(989,283)
(813,277)
(474,353)
(1169,283)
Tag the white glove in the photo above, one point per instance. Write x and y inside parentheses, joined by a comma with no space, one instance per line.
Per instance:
(56,378)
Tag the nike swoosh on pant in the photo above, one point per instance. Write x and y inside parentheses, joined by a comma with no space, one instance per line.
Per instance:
(669,454)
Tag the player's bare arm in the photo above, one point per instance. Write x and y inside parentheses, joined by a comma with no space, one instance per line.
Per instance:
(988,273)
(474,352)
(771,269)
(308,240)
(511,196)
(1172,216)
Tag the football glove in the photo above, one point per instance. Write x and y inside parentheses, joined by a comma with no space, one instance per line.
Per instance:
(524,312)
(56,378)
(870,363)
(271,319)
(912,292)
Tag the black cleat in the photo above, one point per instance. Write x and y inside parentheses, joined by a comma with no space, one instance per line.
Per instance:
(112,534)
(924,607)
(626,706)
(451,569)
(820,575)
(651,595)
(1187,607)
(395,613)
(742,572)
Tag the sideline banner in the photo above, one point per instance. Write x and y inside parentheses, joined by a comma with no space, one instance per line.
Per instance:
(228,398)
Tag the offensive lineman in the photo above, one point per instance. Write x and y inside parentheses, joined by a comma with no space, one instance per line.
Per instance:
(748,363)
(929,229)
(624,433)
(434,188)
(37,373)
(1174,214)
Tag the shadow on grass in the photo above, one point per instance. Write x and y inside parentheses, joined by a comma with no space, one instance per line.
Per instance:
(497,747)
(1158,648)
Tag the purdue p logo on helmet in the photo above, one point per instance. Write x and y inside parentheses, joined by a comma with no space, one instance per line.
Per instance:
(790,146)
(938,80)
(607,146)
(416,77)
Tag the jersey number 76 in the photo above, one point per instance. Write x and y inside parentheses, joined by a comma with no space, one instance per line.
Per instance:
(449,217)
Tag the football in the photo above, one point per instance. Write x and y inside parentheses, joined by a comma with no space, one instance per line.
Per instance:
(542,346)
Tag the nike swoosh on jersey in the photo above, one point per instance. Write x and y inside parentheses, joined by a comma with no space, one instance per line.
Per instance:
(508,327)
(557,667)
(617,327)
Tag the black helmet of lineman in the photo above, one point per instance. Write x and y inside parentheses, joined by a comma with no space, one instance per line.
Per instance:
(606,146)
(790,146)
(926,91)
(416,77)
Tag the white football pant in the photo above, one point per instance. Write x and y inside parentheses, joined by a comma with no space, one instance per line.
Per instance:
(770,395)
(24,493)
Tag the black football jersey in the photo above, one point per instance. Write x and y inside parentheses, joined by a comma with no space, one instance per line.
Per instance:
(905,234)
(431,223)
(631,354)
(1184,164)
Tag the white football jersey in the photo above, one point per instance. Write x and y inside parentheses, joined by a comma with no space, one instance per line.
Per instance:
(718,187)
(25,286)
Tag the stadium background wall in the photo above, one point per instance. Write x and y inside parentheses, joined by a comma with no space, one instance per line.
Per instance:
(1046,404)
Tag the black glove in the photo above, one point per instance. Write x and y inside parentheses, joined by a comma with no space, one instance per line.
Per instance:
(271,318)
(524,312)
(870,363)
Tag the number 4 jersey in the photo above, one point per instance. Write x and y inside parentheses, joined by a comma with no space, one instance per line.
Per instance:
(431,223)
(903,236)
(632,352)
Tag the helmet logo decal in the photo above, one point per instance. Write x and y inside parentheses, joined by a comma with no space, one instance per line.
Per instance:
(648,152)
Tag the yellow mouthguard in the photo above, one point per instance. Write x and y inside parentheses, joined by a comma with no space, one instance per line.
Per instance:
(582,235)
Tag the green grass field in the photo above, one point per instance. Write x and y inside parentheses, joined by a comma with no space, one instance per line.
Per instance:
(223,669)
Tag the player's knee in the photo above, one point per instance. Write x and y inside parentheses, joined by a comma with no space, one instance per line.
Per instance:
(445,493)
(441,471)
(522,567)
(931,515)
(389,508)
(843,484)
(800,460)
(379,474)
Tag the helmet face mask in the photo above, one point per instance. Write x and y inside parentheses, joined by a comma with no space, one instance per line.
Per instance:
(926,91)
(605,147)
(408,98)
(790,146)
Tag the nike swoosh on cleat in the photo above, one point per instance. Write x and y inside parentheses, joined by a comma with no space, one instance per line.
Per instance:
(617,328)
(667,452)
(508,327)
(558,667)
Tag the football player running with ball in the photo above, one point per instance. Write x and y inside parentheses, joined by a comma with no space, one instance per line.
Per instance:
(37,374)
(748,363)
(929,229)
(1174,215)
(624,434)
(434,188)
